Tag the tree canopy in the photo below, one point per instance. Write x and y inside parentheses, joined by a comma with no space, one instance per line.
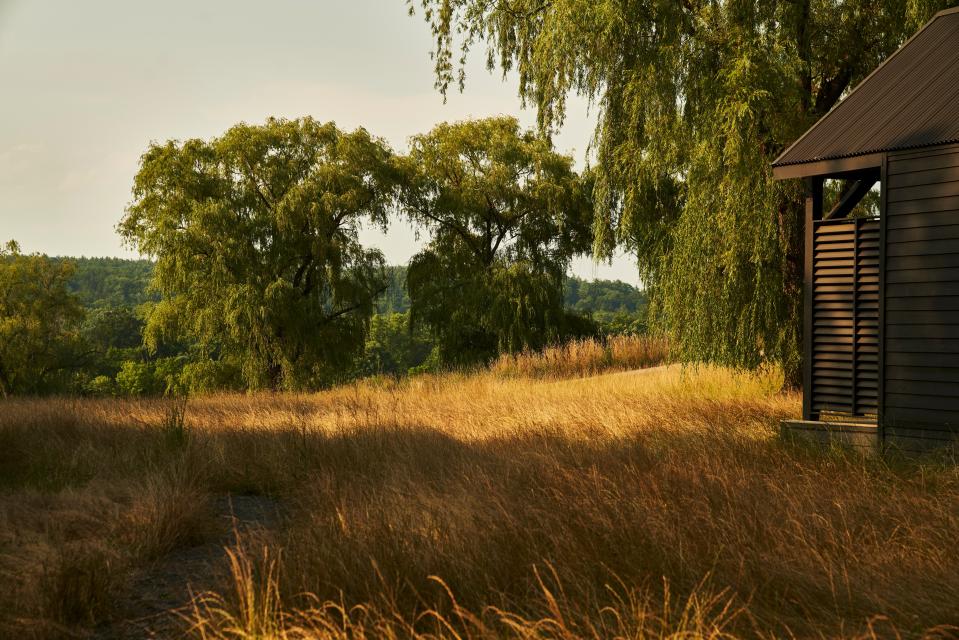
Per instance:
(694,99)
(505,214)
(39,321)
(111,282)
(255,235)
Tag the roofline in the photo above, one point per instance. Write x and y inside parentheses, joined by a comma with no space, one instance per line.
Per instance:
(835,167)
(938,15)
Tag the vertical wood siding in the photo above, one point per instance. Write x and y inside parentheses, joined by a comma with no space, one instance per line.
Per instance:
(921,363)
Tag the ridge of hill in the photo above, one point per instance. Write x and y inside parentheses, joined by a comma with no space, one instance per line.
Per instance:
(121,282)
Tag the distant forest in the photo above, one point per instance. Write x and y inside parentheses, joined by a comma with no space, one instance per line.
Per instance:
(102,283)
(112,353)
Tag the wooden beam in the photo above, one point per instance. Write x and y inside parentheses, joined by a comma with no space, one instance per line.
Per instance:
(829,168)
(851,196)
(883,237)
(813,214)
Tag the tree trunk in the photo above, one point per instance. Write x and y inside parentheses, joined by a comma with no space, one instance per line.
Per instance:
(4,383)
(274,373)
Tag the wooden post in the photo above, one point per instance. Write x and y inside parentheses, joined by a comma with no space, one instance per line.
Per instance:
(883,222)
(854,400)
(813,214)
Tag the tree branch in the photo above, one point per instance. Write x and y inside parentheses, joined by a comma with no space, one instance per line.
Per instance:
(350,309)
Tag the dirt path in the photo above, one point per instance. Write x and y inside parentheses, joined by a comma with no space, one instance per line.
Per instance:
(158,595)
(644,371)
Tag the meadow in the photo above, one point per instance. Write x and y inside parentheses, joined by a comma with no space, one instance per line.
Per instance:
(572,500)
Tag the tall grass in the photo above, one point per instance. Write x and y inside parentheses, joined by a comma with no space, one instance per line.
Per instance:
(585,358)
(656,504)
(252,609)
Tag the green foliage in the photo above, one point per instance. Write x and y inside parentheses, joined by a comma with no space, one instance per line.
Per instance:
(694,99)
(207,375)
(256,246)
(618,308)
(115,362)
(101,386)
(395,299)
(39,321)
(868,207)
(186,374)
(621,323)
(113,328)
(111,282)
(110,336)
(137,379)
(505,214)
(394,347)
(591,296)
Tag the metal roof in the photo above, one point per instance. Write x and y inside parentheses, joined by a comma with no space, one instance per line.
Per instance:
(910,100)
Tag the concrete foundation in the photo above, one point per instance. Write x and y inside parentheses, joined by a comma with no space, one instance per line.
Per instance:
(863,437)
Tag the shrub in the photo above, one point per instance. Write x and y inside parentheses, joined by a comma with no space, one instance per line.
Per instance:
(136,379)
(101,386)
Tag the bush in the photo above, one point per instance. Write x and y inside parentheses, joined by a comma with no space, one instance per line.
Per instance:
(204,376)
(137,379)
(101,386)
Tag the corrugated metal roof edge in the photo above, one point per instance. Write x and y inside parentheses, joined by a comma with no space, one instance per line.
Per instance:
(778,162)
(870,151)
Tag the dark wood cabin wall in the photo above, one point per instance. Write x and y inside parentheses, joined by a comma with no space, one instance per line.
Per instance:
(921,360)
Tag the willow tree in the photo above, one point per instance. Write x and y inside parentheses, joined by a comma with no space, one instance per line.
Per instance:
(39,322)
(505,214)
(694,98)
(255,234)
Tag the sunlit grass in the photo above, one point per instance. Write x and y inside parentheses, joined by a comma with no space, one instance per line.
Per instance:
(652,504)
(585,358)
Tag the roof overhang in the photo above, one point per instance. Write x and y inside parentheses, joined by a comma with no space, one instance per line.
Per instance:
(907,102)
(835,167)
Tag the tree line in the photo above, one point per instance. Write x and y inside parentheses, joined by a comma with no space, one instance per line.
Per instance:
(257,279)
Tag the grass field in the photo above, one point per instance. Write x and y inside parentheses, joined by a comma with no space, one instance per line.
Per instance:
(646,504)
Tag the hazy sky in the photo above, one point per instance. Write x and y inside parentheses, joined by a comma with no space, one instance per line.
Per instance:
(85,86)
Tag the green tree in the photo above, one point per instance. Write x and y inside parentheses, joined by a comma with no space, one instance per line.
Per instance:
(113,328)
(694,99)
(394,346)
(39,322)
(136,379)
(110,335)
(616,307)
(255,236)
(111,282)
(395,299)
(505,214)
(590,296)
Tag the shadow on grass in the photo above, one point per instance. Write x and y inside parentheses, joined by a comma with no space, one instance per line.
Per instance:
(806,541)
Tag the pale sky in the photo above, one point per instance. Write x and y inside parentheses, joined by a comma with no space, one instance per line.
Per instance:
(86,85)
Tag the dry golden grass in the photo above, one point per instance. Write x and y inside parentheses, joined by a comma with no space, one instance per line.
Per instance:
(647,504)
(585,358)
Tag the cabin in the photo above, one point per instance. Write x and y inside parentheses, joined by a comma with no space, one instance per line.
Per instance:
(881,327)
